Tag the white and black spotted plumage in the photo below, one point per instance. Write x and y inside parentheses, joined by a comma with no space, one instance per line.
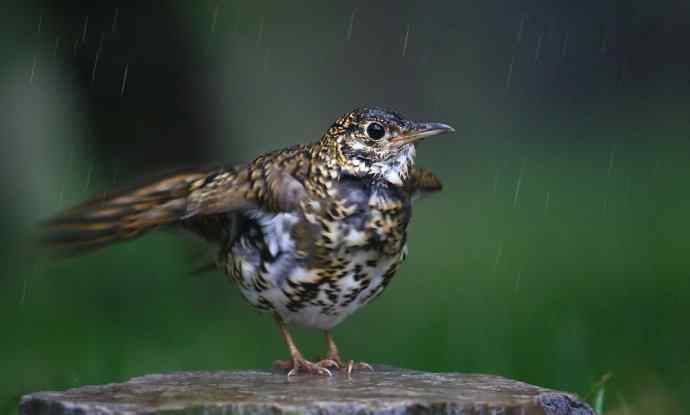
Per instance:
(362,236)
(311,233)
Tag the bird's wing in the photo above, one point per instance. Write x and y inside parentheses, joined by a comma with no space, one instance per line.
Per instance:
(422,182)
(196,200)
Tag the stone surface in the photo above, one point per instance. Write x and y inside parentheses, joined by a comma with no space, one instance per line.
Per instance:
(386,391)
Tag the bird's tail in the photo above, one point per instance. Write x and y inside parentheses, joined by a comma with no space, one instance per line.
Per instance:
(123,215)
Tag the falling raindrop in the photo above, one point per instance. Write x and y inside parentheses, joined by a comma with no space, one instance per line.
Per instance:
(75,47)
(564,49)
(352,23)
(547,201)
(407,35)
(267,55)
(40,22)
(516,194)
(33,70)
(116,15)
(214,18)
(57,46)
(124,80)
(523,18)
(612,157)
(510,72)
(606,203)
(96,59)
(85,29)
(88,177)
(540,37)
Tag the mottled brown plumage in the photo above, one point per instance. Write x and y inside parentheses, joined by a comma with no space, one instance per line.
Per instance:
(310,233)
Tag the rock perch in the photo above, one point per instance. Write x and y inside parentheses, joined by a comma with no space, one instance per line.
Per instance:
(387,391)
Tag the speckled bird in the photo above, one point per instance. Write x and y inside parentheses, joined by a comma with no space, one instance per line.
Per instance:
(311,233)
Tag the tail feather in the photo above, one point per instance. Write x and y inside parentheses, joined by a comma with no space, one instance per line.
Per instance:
(122,216)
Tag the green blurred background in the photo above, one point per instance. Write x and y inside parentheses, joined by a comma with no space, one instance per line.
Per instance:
(557,253)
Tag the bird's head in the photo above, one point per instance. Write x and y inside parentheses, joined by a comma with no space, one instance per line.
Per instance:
(379,143)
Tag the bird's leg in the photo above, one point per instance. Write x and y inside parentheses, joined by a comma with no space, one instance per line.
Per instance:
(297,363)
(334,360)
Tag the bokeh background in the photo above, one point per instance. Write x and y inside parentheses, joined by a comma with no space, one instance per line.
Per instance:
(557,253)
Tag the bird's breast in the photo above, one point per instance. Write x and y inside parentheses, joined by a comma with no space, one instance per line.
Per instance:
(319,265)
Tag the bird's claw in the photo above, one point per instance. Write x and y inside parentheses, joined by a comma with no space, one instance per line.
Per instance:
(352,365)
(330,364)
(297,366)
(323,367)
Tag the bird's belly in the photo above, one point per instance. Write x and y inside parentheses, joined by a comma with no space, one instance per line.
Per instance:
(273,276)
(326,304)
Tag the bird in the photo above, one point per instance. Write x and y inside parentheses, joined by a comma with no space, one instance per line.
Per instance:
(310,233)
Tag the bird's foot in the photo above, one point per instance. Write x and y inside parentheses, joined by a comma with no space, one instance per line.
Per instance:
(352,365)
(331,364)
(300,365)
(336,363)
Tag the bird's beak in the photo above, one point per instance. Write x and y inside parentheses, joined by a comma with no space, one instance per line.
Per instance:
(420,131)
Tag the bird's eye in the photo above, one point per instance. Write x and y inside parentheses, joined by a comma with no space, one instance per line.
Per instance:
(376,131)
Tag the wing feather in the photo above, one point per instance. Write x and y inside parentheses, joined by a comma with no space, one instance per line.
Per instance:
(196,200)
(422,182)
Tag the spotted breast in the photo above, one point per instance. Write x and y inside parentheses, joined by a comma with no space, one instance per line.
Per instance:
(317,266)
